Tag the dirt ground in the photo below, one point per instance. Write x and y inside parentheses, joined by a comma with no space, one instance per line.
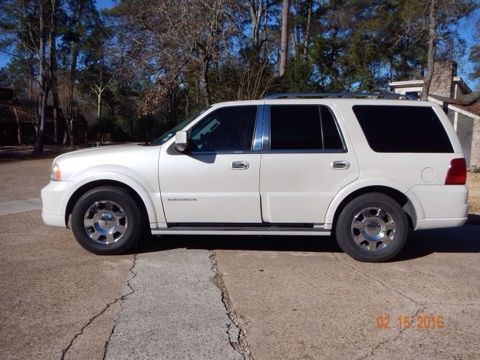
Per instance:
(473,184)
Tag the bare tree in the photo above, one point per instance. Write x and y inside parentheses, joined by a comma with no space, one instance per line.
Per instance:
(174,39)
(432,38)
(306,39)
(53,66)
(284,38)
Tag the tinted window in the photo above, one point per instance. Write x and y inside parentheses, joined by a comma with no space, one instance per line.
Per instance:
(303,127)
(226,129)
(402,129)
(331,136)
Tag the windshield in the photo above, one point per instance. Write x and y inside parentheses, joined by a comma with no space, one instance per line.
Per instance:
(171,133)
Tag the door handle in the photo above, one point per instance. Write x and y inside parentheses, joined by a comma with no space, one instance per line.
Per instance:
(240,165)
(340,165)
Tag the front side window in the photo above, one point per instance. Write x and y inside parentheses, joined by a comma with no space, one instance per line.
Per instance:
(303,127)
(225,129)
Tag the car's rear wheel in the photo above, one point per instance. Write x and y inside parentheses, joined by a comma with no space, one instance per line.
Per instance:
(372,227)
(107,220)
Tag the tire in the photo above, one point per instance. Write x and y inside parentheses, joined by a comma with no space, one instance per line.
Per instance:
(107,220)
(372,228)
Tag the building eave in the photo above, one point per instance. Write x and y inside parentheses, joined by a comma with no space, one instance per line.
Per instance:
(406,83)
(458,80)
(454,108)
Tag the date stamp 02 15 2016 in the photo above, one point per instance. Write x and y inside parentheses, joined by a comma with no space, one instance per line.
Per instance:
(422,321)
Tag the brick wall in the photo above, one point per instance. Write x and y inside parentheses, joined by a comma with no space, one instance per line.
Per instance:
(475,152)
(442,81)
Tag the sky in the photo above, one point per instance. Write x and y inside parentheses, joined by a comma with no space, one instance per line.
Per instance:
(466,28)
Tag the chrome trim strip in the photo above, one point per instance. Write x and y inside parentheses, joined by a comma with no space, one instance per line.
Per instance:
(257,136)
(239,232)
(266,129)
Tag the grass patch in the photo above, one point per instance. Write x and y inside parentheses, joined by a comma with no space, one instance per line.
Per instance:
(473,184)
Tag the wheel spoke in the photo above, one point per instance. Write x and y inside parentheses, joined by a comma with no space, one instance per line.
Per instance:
(109,238)
(93,209)
(88,222)
(121,229)
(366,213)
(95,236)
(390,225)
(108,205)
(359,239)
(357,225)
(120,213)
(386,240)
(372,245)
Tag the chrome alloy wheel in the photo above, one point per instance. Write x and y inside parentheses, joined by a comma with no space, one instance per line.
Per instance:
(373,229)
(105,222)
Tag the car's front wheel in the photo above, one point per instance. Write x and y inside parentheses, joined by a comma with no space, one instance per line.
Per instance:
(107,220)
(372,227)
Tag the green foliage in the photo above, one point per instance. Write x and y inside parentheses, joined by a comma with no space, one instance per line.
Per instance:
(144,66)
(475,59)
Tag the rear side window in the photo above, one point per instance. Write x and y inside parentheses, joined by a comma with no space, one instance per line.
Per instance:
(402,129)
(303,127)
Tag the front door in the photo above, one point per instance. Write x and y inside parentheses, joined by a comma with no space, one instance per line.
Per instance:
(217,179)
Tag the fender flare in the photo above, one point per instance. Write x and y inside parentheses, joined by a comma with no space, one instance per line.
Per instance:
(120,175)
(365,183)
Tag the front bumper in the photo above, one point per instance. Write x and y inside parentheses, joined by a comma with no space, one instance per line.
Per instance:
(54,202)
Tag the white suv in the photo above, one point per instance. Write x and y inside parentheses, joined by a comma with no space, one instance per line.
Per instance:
(365,170)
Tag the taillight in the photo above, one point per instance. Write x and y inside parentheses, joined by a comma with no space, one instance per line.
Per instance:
(457,172)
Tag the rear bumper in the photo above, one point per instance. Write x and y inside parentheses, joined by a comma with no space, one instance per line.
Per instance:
(443,205)
(440,223)
(53,203)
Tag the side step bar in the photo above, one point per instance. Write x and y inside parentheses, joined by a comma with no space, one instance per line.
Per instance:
(239,230)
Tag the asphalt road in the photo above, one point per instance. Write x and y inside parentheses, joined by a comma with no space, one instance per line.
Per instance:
(228,297)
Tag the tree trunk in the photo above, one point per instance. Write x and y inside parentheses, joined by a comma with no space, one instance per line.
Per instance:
(19,126)
(38,147)
(72,112)
(432,37)
(284,38)
(99,104)
(53,68)
(41,122)
(205,82)
(307,31)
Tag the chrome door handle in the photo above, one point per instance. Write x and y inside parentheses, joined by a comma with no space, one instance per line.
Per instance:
(240,165)
(340,165)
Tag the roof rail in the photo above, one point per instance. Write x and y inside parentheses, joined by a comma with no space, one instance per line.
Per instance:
(344,95)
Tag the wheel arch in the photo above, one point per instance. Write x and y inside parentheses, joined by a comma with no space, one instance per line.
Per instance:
(411,207)
(147,210)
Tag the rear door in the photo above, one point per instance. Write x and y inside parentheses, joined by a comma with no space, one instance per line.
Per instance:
(305,162)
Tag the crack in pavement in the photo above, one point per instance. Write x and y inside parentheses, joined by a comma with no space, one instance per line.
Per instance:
(133,274)
(101,312)
(236,334)
(392,340)
(421,307)
(417,303)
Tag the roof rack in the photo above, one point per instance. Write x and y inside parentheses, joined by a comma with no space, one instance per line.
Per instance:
(344,95)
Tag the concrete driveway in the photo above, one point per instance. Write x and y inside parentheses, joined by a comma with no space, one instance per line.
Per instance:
(228,297)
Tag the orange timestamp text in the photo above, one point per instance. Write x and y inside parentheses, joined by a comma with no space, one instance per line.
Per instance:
(421,321)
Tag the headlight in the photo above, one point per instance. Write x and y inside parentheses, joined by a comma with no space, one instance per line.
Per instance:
(56,175)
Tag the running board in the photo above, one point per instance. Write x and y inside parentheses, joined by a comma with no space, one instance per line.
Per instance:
(239,230)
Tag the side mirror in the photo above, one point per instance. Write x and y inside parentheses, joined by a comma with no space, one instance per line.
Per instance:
(181,141)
